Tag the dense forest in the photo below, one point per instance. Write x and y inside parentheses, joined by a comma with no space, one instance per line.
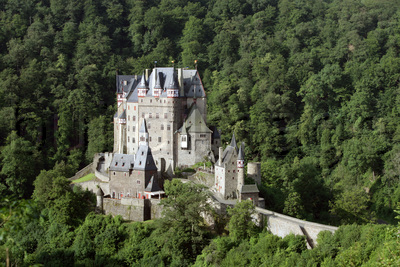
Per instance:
(311,86)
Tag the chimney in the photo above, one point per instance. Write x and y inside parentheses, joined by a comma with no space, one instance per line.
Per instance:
(147,74)
(220,152)
(180,80)
(155,74)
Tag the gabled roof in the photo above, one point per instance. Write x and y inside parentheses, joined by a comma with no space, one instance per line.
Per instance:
(144,159)
(122,162)
(195,122)
(152,186)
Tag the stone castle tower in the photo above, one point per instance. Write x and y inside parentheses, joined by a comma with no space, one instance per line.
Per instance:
(173,103)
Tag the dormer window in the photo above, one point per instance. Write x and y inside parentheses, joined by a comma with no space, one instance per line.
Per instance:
(123,164)
(142,153)
(140,163)
(116,163)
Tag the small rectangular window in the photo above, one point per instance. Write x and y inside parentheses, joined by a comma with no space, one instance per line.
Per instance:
(159,139)
(149,126)
(165,114)
(134,107)
(169,127)
(157,115)
(133,128)
(129,117)
(133,139)
(128,128)
(142,114)
(162,127)
(133,118)
(150,115)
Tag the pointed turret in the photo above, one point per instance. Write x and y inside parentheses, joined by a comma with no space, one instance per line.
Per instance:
(143,134)
(157,91)
(233,142)
(142,87)
(173,87)
(240,160)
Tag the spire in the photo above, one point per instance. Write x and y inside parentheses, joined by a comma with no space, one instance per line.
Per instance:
(241,152)
(173,83)
(142,84)
(233,142)
(143,134)
(142,87)
(158,84)
(173,87)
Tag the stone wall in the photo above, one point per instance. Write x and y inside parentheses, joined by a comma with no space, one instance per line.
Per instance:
(131,209)
(282,225)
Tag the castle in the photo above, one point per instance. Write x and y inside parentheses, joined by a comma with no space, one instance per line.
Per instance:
(173,103)
(160,124)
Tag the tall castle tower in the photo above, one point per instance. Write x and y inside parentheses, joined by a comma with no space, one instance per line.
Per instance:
(173,103)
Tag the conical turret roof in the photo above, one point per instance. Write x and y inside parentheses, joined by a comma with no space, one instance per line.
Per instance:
(233,142)
(173,84)
(241,152)
(158,83)
(143,84)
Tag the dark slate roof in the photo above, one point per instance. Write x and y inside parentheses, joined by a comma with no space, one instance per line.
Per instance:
(166,77)
(192,84)
(195,122)
(249,188)
(130,79)
(241,152)
(116,115)
(133,96)
(122,162)
(233,142)
(227,155)
(144,159)
(229,152)
(173,83)
(153,186)
(215,134)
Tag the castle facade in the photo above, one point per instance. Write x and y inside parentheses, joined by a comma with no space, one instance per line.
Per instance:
(173,103)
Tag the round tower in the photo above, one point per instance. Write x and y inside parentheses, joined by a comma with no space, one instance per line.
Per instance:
(240,167)
(254,171)
(99,200)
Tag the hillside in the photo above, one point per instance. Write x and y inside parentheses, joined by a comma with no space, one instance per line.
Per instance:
(311,87)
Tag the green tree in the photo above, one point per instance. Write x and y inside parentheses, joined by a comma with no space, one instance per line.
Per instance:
(19,165)
(182,229)
(241,225)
